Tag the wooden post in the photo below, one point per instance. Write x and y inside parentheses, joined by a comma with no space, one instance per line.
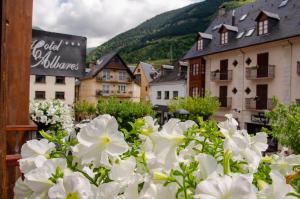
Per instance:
(16,34)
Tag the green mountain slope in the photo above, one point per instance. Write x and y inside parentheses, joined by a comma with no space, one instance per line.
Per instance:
(168,35)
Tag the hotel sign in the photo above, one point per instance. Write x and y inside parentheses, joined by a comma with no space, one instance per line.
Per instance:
(57,54)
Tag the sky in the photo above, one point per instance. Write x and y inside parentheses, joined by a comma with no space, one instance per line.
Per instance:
(98,20)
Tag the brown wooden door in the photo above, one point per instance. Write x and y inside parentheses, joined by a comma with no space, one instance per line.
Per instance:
(263,63)
(262,97)
(224,69)
(223,96)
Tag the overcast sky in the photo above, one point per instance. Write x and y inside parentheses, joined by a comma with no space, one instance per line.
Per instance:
(98,20)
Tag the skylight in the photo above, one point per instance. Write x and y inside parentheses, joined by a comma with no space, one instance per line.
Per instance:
(283,3)
(240,35)
(243,17)
(250,32)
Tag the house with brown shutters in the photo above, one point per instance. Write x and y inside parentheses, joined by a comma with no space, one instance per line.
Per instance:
(108,77)
(246,56)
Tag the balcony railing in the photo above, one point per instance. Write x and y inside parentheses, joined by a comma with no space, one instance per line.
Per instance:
(258,104)
(225,102)
(102,93)
(113,79)
(256,73)
(221,76)
(298,69)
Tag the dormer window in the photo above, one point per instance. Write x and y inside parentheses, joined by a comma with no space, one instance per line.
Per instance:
(263,27)
(224,38)
(266,21)
(200,44)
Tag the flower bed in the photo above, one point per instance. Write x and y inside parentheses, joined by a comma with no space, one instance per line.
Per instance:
(178,160)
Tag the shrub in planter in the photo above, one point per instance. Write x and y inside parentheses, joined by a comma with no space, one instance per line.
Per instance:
(196,106)
(124,111)
(178,160)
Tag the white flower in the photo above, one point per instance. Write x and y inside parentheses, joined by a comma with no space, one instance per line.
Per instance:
(226,187)
(150,126)
(34,153)
(157,191)
(100,135)
(285,164)
(72,186)
(207,165)
(107,190)
(123,170)
(278,189)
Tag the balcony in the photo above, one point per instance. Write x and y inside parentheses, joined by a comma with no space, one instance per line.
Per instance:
(113,79)
(257,73)
(221,76)
(102,93)
(225,102)
(298,68)
(258,104)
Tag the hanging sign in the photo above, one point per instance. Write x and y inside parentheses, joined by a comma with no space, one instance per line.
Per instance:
(56,54)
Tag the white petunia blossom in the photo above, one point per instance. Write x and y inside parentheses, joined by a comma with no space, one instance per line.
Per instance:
(34,153)
(73,186)
(285,164)
(100,135)
(207,165)
(226,187)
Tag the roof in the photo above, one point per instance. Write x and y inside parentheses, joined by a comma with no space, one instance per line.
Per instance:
(148,70)
(229,27)
(102,62)
(172,76)
(287,27)
(205,35)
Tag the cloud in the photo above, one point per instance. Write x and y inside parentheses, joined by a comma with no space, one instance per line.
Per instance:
(98,20)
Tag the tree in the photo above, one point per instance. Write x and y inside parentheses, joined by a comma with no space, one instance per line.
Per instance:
(196,106)
(285,124)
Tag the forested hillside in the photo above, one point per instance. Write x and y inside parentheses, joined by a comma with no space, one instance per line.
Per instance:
(168,35)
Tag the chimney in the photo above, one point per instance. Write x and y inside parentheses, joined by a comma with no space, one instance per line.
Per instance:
(92,66)
(233,18)
(221,11)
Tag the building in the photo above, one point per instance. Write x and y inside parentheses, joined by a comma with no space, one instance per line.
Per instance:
(56,61)
(170,84)
(145,73)
(249,55)
(108,77)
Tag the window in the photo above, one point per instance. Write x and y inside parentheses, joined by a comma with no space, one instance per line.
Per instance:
(200,44)
(224,38)
(158,95)
(122,88)
(40,79)
(60,80)
(240,35)
(105,88)
(167,95)
(106,75)
(60,95)
(122,75)
(138,70)
(263,27)
(40,95)
(146,88)
(175,94)
(250,32)
(195,91)
(195,69)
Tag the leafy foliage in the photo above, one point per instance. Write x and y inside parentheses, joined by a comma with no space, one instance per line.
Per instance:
(125,111)
(84,110)
(286,124)
(197,106)
(171,31)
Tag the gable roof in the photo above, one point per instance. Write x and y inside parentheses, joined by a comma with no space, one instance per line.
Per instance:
(172,76)
(229,27)
(148,70)
(287,27)
(102,62)
(268,14)
(205,35)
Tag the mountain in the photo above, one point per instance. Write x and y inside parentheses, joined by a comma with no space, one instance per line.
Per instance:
(165,36)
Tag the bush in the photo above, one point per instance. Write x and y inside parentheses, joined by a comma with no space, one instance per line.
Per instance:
(285,124)
(125,111)
(84,110)
(196,106)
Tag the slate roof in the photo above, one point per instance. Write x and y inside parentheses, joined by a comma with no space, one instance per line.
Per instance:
(288,26)
(148,70)
(102,62)
(171,76)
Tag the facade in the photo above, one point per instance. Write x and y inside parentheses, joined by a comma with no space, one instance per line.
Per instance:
(144,73)
(251,55)
(108,77)
(44,87)
(169,85)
